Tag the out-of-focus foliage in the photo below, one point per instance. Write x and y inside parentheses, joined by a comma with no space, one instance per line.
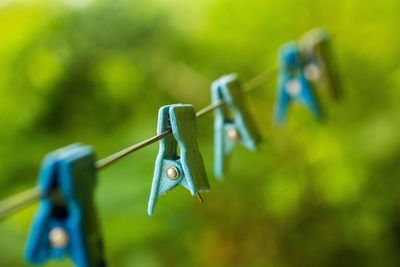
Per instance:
(96,72)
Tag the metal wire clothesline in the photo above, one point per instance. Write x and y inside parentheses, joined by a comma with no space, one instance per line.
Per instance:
(28,197)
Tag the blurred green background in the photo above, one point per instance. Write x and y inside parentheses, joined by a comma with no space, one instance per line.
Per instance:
(97,71)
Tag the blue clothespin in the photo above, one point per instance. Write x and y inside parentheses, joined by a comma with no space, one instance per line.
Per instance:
(292,84)
(66,222)
(233,122)
(320,67)
(179,161)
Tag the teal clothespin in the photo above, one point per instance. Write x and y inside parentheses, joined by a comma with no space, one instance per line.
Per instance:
(173,168)
(320,67)
(293,85)
(66,223)
(233,122)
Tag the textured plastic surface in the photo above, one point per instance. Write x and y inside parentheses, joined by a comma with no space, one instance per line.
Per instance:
(291,71)
(316,53)
(234,115)
(181,119)
(67,181)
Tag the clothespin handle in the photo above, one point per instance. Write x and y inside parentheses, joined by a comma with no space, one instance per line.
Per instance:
(233,122)
(184,167)
(66,224)
(293,85)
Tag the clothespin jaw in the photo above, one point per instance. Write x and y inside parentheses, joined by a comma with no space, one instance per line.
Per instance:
(320,67)
(292,84)
(233,122)
(179,161)
(66,224)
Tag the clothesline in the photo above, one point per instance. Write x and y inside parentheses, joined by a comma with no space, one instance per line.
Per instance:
(67,218)
(28,197)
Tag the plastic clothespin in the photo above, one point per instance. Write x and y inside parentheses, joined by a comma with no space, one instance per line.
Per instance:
(292,84)
(66,224)
(233,122)
(319,65)
(179,161)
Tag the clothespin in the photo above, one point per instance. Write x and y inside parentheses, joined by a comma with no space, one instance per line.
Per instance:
(233,122)
(179,161)
(319,65)
(66,224)
(292,84)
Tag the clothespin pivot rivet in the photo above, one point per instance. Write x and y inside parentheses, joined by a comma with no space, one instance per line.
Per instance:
(58,237)
(233,134)
(173,173)
(312,72)
(293,87)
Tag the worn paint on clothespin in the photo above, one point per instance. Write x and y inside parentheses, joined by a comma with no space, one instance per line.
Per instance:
(179,161)
(319,65)
(66,223)
(233,122)
(292,84)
